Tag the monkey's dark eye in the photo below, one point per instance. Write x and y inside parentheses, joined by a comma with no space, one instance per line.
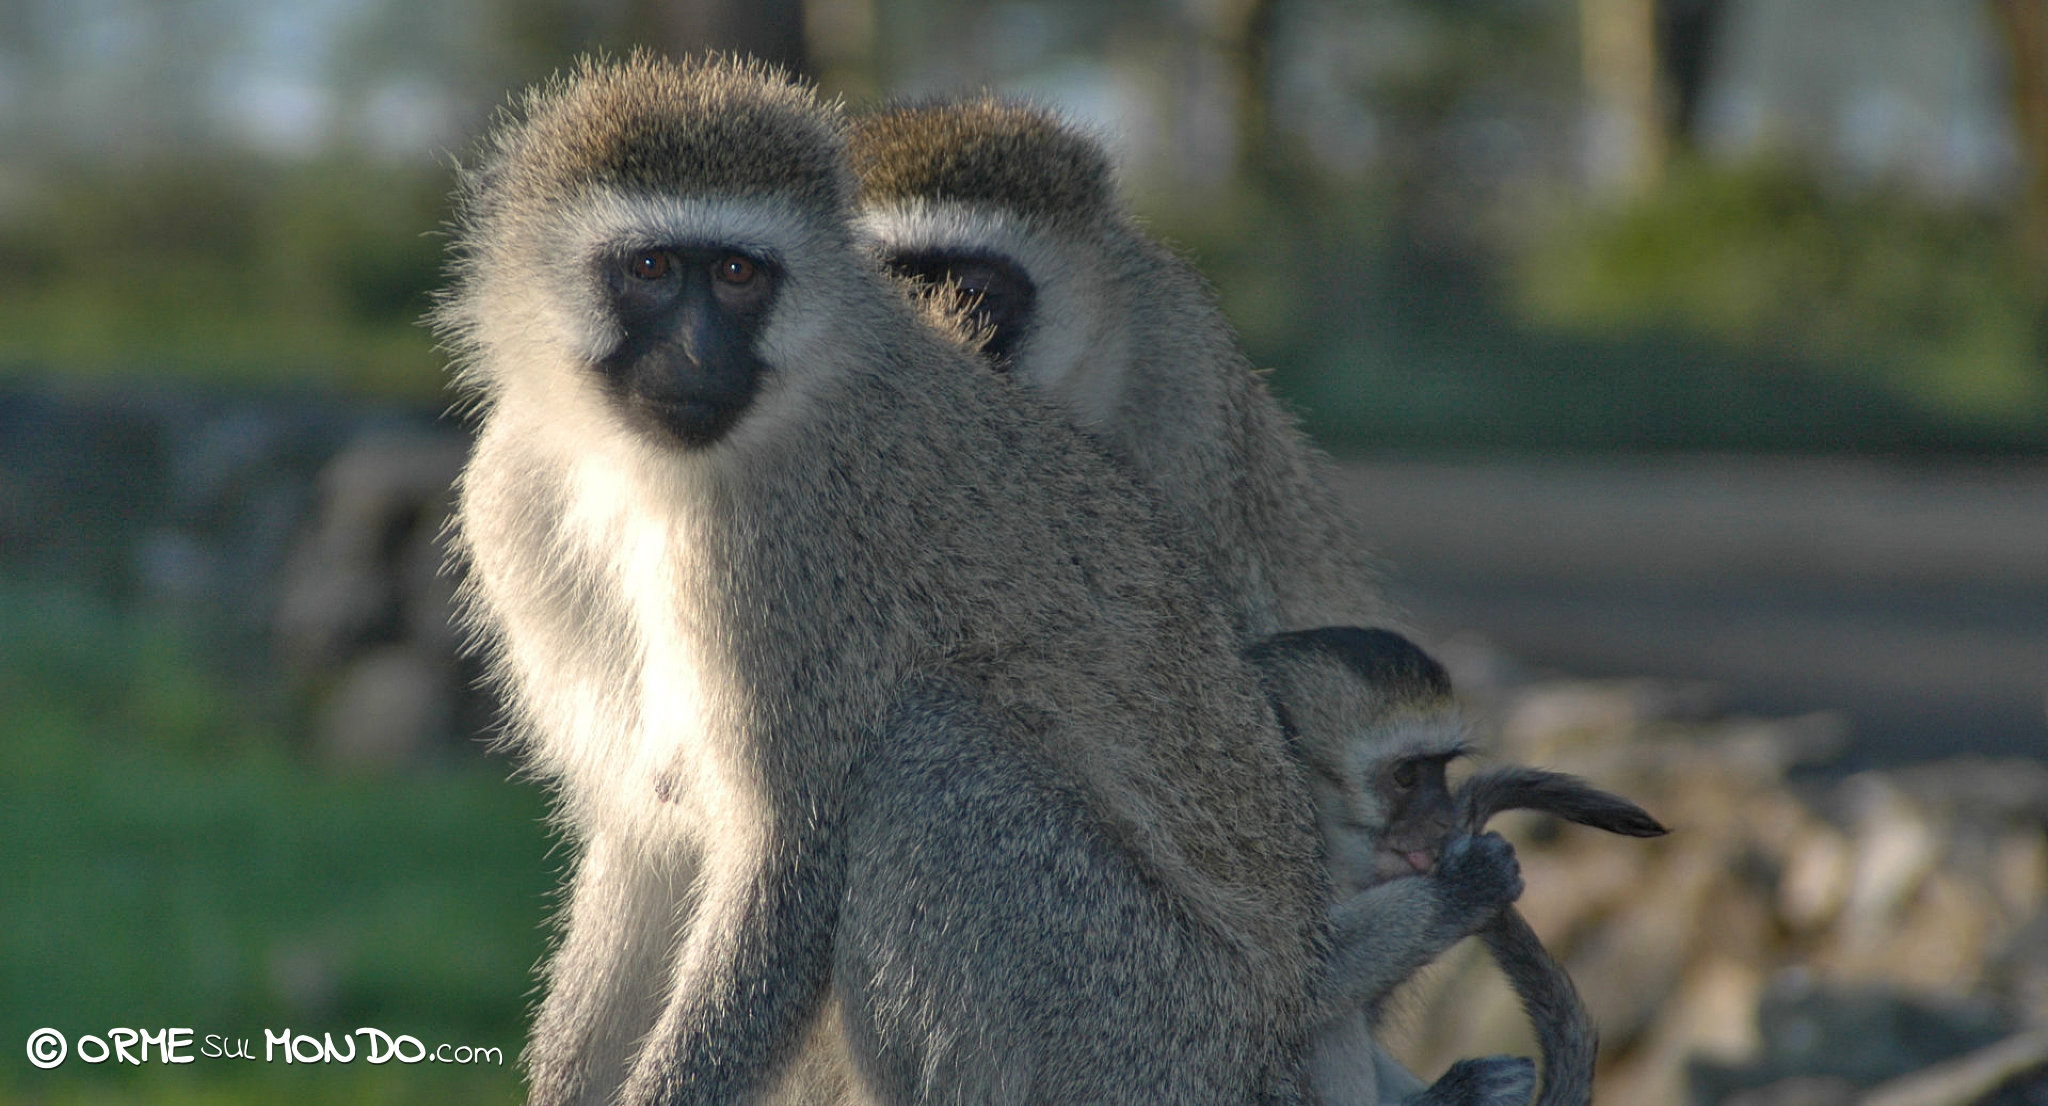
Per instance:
(1406,773)
(735,270)
(650,265)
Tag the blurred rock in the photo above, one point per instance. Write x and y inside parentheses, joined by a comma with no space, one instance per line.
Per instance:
(390,708)
(1861,1034)
(78,481)
(362,620)
(364,566)
(1800,1090)
(292,538)
(2014,1070)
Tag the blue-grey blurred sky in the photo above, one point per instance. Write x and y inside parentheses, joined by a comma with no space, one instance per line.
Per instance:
(1885,88)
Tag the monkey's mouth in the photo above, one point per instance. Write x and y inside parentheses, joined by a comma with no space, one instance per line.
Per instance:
(1392,863)
(692,420)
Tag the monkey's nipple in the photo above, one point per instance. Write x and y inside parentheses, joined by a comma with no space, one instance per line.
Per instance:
(1420,860)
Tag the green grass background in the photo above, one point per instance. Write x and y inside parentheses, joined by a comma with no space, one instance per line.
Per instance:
(169,862)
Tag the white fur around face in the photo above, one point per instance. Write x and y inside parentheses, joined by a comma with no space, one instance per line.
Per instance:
(1076,350)
(533,318)
(615,661)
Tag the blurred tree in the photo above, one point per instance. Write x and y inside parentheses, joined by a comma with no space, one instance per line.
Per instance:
(840,37)
(1928,301)
(549,32)
(1627,136)
(1240,33)
(772,30)
(1647,65)
(2023,28)
(1688,35)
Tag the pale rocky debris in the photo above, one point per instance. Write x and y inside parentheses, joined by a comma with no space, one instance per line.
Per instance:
(1787,928)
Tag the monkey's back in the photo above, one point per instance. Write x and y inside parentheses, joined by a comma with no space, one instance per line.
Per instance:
(1197,423)
(996,544)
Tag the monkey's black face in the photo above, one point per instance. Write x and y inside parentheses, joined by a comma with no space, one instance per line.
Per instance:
(692,317)
(1420,814)
(993,290)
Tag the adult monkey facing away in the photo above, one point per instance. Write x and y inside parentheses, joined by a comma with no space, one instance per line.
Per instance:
(1012,212)
(844,656)
(1019,210)
(1373,717)
(1015,212)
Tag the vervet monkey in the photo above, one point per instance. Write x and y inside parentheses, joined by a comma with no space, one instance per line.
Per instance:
(1017,210)
(1370,715)
(1411,865)
(887,725)
(1013,212)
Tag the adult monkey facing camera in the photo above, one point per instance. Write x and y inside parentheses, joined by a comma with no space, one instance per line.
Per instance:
(1372,716)
(888,728)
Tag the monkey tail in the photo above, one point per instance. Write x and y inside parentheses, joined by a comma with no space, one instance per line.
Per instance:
(1564,1032)
(1568,797)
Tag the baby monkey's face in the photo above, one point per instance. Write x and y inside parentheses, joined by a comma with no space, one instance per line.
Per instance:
(1373,720)
(1387,812)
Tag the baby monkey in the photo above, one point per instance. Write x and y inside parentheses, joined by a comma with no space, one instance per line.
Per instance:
(1371,716)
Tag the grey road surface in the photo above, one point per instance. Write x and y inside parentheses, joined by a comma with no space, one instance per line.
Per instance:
(1912,597)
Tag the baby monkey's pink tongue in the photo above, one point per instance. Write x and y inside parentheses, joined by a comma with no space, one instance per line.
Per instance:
(1420,861)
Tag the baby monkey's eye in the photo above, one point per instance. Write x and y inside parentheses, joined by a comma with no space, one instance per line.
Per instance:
(1406,773)
(735,269)
(650,265)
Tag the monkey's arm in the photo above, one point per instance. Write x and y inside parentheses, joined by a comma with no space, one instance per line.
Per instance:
(753,965)
(1386,933)
(618,937)
(1487,1081)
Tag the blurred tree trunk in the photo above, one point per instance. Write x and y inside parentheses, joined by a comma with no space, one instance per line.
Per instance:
(1223,97)
(548,32)
(1688,39)
(839,36)
(1628,136)
(1247,41)
(2023,27)
(772,30)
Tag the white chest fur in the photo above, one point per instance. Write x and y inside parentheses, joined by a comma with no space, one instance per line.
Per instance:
(597,599)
